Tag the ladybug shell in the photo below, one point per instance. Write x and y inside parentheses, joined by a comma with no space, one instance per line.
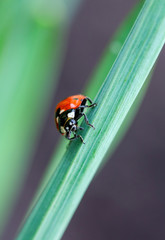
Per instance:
(71,102)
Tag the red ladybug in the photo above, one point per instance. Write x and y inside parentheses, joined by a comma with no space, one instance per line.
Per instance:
(68,112)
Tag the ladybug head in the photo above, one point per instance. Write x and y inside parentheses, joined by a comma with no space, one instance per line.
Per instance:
(71,125)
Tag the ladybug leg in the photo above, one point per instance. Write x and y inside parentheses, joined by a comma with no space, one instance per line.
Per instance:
(89,100)
(88,106)
(79,136)
(81,128)
(86,120)
(75,136)
(92,104)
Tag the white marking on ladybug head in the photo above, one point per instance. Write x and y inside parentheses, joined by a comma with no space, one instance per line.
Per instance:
(71,115)
(62,129)
(61,111)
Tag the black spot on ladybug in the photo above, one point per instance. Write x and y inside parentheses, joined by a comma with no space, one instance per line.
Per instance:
(75,98)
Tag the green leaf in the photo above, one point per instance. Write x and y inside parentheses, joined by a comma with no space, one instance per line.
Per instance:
(79,164)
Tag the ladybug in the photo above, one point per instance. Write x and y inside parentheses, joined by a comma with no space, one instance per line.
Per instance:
(68,112)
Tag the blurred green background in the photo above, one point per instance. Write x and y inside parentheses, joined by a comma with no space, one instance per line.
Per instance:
(33,36)
(36,37)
